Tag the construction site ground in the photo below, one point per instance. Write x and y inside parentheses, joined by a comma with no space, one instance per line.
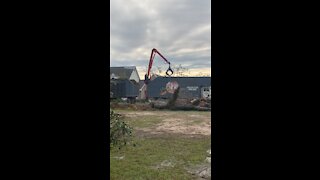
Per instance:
(168,145)
(129,106)
(179,104)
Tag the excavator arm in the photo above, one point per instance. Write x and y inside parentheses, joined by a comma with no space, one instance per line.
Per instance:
(154,51)
(169,72)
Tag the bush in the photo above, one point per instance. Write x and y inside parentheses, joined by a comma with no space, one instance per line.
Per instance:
(120,132)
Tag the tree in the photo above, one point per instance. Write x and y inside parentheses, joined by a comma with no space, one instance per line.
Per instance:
(180,71)
(200,74)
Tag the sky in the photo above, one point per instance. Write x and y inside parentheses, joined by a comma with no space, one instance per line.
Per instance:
(179,29)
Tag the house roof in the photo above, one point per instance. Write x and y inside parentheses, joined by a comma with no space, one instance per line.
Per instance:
(184,81)
(122,72)
(141,83)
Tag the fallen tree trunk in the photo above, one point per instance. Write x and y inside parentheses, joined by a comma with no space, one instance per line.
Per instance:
(184,107)
(174,98)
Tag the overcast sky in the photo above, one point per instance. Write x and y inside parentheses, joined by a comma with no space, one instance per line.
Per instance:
(179,29)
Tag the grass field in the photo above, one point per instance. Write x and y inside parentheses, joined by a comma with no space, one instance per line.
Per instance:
(168,145)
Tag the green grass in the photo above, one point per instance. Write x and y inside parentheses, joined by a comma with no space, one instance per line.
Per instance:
(144,160)
(141,162)
(145,121)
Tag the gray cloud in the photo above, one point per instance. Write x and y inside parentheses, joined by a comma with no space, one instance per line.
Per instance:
(179,29)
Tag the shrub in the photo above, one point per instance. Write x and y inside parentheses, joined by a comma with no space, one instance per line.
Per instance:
(120,132)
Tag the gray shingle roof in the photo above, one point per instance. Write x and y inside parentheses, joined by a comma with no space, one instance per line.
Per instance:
(122,72)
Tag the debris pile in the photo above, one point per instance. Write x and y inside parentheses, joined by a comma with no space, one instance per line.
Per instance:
(203,171)
(173,103)
(183,104)
(208,158)
(201,102)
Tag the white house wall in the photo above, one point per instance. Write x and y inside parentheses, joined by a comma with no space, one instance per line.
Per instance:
(135,76)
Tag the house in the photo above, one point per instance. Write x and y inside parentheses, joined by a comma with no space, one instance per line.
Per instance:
(190,87)
(124,82)
(126,72)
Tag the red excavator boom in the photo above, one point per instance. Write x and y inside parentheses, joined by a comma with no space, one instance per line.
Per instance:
(147,77)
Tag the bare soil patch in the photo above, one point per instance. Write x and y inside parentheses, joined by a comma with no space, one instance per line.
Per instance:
(176,125)
(191,123)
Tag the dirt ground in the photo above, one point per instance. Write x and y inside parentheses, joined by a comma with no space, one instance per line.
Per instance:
(136,106)
(177,122)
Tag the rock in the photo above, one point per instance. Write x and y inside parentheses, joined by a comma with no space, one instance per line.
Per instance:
(167,163)
(208,159)
(120,158)
(205,173)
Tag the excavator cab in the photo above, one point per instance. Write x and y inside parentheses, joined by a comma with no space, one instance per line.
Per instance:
(146,79)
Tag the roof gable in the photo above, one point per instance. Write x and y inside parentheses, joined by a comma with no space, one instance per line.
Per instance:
(122,72)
